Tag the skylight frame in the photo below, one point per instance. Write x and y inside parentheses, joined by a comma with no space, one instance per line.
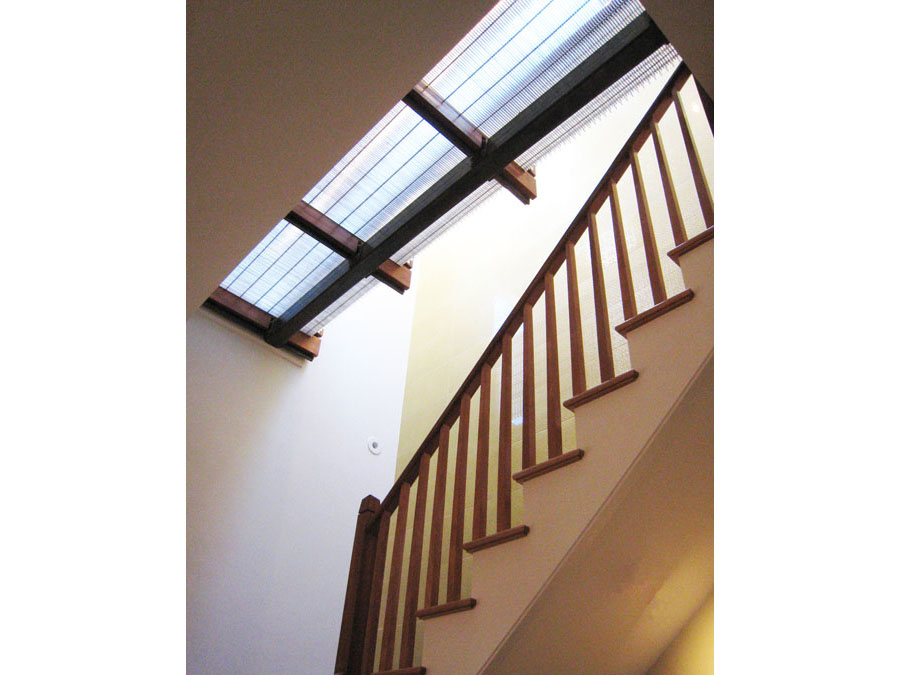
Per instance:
(276,288)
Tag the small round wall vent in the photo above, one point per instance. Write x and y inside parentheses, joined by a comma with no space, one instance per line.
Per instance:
(373,445)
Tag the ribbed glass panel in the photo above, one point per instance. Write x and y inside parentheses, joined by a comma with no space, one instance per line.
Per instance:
(384,173)
(515,54)
(664,59)
(522,49)
(352,158)
(236,282)
(392,165)
(284,265)
(305,274)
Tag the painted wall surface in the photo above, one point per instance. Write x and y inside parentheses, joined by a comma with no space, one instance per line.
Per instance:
(691,653)
(276,467)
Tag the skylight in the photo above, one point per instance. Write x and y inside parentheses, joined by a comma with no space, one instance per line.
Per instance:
(515,54)
(519,50)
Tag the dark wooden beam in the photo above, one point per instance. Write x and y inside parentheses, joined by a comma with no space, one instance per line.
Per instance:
(250,316)
(519,181)
(323,229)
(396,276)
(432,107)
(638,40)
(343,242)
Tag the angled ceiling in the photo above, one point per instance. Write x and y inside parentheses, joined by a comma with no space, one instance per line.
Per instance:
(277,92)
(689,26)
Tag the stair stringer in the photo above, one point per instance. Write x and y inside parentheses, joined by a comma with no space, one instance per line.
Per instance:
(668,353)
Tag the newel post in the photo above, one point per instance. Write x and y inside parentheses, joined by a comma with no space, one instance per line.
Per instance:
(359,586)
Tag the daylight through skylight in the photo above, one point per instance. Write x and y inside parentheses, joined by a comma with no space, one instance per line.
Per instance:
(515,54)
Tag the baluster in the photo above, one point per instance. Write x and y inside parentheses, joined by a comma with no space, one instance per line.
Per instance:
(657,285)
(457,518)
(554,417)
(368,659)
(479,524)
(628,304)
(408,639)
(576,339)
(528,418)
(504,461)
(388,636)
(433,580)
(700,182)
(604,341)
(678,231)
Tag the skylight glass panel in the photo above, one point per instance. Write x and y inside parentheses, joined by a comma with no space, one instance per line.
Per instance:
(237,282)
(520,50)
(283,240)
(303,278)
(515,54)
(286,263)
(663,60)
(385,174)
(391,166)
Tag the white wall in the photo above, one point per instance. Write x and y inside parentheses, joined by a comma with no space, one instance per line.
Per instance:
(276,467)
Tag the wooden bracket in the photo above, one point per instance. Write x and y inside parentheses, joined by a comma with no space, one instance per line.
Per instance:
(250,316)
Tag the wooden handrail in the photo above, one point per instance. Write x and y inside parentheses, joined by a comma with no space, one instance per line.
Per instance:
(494,431)
(534,289)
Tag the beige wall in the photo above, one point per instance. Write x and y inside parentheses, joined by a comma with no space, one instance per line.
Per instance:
(691,653)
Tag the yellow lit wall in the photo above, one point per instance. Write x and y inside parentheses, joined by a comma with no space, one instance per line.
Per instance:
(691,652)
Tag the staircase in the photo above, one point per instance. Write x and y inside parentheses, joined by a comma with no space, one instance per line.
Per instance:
(611,550)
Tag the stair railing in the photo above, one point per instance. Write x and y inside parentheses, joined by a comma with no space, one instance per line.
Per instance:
(375,617)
